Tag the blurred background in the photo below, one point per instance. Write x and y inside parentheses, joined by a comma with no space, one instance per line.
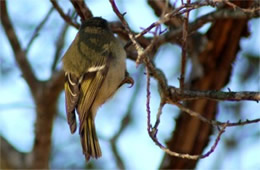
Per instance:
(239,146)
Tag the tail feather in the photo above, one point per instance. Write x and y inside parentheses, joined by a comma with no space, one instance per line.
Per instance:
(89,140)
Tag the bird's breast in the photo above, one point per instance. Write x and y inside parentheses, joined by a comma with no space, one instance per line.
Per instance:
(114,77)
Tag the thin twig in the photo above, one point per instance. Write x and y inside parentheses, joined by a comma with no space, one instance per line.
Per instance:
(241,123)
(59,46)
(174,35)
(195,114)
(213,147)
(178,11)
(153,131)
(213,122)
(63,15)
(148,96)
(235,7)
(165,91)
(221,13)
(138,47)
(184,48)
(37,30)
(158,117)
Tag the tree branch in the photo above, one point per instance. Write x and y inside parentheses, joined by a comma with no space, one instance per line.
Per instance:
(131,36)
(82,9)
(152,131)
(19,53)
(165,91)
(56,83)
(63,15)
(10,158)
(37,30)
(175,35)
(177,94)
(184,48)
(59,46)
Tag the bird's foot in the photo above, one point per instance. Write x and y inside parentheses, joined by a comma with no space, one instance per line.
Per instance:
(127,80)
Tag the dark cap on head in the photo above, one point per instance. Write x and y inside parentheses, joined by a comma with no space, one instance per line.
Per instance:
(95,22)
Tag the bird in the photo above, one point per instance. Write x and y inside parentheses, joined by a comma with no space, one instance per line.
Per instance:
(95,67)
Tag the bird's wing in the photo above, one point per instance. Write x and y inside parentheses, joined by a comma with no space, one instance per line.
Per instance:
(71,96)
(89,86)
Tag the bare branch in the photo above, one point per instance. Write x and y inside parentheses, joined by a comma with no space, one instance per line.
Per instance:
(148,97)
(212,122)
(241,123)
(59,46)
(56,84)
(195,157)
(37,30)
(158,117)
(195,114)
(177,94)
(10,158)
(161,8)
(153,131)
(19,53)
(174,35)
(235,7)
(138,47)
(184,48)
(213,147)
(82,9)
(63,15)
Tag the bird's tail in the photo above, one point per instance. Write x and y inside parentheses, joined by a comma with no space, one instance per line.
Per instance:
(89,140)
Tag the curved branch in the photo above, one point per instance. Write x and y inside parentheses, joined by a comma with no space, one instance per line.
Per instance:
(19,53)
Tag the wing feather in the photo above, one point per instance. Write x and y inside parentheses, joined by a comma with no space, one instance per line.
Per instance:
(71,96)
(89,88)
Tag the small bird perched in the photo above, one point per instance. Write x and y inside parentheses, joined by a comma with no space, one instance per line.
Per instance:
(94,68)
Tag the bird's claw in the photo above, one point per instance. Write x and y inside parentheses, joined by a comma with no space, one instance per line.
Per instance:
(128,80)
